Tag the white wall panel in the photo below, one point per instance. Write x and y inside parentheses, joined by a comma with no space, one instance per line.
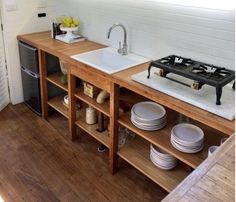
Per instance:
(21,21)
(158,29)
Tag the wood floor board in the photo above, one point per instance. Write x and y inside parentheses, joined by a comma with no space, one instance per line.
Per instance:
(39,163)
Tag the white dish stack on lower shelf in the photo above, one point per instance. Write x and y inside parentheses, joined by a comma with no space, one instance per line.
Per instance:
(148,116)
(161,159)
(187,138)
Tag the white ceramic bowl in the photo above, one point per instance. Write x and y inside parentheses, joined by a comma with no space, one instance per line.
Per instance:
(212,149)
(66,99)
(69,29)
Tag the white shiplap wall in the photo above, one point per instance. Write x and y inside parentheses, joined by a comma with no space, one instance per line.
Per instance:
(157,29)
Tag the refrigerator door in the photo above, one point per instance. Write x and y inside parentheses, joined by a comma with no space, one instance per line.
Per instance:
(31,88)
(29,57)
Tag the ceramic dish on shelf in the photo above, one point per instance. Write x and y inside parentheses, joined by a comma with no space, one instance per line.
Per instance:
(148,111)
(148,116)
(161,159)
(187,138)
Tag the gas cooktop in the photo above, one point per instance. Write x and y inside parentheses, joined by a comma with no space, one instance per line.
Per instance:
(201,73)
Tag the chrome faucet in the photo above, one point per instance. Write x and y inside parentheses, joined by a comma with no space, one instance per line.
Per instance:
(122,50)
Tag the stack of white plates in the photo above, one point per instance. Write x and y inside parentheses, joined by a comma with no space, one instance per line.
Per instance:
(148,116)
(161,159)
(187,138)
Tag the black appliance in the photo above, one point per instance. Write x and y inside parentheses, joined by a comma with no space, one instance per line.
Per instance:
(30,76)
(201,73)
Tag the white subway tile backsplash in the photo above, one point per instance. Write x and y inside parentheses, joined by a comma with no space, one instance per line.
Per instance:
(157,29)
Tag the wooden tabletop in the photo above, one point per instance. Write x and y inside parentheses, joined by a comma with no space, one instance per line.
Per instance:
(62,50)
(213,180)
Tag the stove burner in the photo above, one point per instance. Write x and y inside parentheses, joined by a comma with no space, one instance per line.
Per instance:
(200,73)
(177,61)
(210,71)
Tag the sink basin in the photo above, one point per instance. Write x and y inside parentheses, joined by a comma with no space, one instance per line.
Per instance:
(108,60)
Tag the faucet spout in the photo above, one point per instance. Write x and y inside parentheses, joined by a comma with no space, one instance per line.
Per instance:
(122,50)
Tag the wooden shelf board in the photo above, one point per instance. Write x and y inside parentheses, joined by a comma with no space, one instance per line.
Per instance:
(91,130)
(161,139)
(137,153)
(56,79)
(104,108)
(57,104)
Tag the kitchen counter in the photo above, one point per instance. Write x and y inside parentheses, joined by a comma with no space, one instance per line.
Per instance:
(62,50)
(43,41)
(214,126)
(211,181)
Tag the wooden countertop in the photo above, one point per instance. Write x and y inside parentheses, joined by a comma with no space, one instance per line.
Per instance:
(62,50)
(213,180)
(43,41)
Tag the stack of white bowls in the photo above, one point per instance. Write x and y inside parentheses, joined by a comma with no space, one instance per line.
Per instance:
(148,116)
(161,159)
(187,138)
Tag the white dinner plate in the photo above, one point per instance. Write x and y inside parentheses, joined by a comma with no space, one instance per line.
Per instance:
(148,111)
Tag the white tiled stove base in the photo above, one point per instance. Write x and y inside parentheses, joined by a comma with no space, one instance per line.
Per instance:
(204,98)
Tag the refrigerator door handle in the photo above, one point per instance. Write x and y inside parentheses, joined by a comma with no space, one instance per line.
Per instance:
(29,72)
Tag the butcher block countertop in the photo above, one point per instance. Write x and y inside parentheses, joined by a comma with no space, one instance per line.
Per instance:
(213,180)
(43,41)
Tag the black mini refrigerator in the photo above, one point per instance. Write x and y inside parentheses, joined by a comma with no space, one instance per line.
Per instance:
(30,76)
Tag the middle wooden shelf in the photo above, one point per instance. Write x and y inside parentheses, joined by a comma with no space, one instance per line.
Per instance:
(104,107)
(161,139)
(56,80)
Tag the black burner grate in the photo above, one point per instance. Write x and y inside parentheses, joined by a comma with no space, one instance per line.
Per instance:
(200,73)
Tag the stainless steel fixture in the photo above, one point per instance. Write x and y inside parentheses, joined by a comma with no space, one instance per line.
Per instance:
(122,50)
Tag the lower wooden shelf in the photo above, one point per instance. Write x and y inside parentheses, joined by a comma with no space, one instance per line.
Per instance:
(137,154)
(57,104)
(102,137)
(92,130)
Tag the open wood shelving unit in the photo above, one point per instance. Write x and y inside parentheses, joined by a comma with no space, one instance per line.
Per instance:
(137,154)
(161,139)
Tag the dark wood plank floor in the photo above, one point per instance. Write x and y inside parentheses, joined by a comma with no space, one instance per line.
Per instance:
(37,163)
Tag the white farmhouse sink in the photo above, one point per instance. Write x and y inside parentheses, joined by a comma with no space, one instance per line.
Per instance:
(108,60)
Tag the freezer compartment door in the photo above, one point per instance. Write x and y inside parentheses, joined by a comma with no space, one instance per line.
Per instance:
(28,57)
(31,89)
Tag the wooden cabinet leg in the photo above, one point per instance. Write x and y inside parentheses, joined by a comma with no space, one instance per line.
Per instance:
(114,113)
(72,103)
(43,83)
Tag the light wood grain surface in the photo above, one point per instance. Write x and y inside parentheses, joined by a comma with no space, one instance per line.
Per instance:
(38,164)
(62,50)
(214,180)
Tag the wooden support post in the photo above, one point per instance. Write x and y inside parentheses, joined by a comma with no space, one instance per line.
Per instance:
(43,83)
(114,113)
(72,103)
